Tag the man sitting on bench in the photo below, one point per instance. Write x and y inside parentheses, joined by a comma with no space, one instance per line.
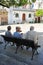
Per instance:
(32,35)
(31,40)
(8,33)
(17,33)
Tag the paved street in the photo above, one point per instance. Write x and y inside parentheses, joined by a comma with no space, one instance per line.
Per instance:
(23,57)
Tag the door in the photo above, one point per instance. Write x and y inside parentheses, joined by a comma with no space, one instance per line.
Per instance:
(35,20)
(23,17)
(38,19)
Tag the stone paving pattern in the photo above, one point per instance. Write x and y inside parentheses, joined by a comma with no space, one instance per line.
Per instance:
(23,57)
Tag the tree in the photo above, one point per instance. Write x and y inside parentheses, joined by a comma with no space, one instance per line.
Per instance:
(8,3)
(22,2)
(39,12)
(33,0)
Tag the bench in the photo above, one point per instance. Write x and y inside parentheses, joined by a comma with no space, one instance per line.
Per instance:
(19,42)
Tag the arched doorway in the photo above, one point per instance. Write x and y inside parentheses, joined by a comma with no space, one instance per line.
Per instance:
(23,17)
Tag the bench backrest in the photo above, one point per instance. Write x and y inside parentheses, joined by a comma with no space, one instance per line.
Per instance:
(19,41)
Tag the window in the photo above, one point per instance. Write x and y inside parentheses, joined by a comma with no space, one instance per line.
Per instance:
(16,15)
(29,15)
(4,23)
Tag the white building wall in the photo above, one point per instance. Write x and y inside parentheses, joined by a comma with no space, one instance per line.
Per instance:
(31,18)
(10,16)
(22,12)
(19,19)
(21,15)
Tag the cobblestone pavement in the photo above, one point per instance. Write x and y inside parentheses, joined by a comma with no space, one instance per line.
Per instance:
(23,57)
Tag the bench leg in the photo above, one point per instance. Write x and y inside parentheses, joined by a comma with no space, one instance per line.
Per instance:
(12,44)
(6,44)
(27,47)
(22,47)
(16,49)
(36,52)
(33,51)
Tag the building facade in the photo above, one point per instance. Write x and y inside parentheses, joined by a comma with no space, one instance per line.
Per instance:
(3,16)
(21,16)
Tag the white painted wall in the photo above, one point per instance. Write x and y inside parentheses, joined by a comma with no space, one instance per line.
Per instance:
(31,18)
(19,19)
(10,16)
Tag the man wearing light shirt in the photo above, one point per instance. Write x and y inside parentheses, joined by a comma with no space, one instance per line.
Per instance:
(32,35)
